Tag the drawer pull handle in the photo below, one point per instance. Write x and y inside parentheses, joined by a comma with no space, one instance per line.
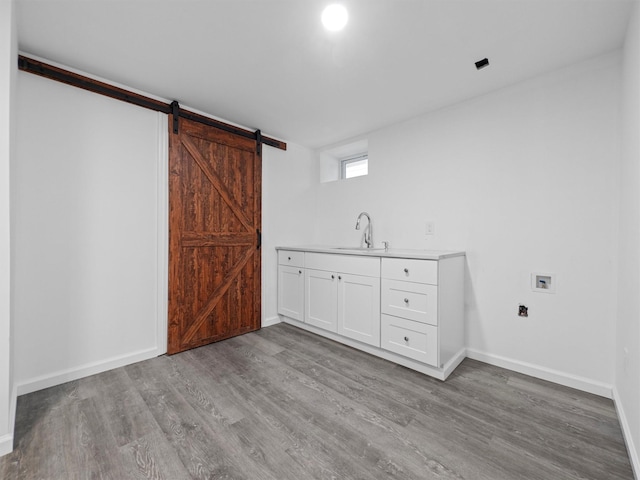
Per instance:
(406,300)
(406,270)
(406,339)
(332,277)
(289,258)
(339,277)
(300,271)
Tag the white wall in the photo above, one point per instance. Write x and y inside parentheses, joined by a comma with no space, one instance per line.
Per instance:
(288,210)
(87,222)
(78,326)
(627,372)
(7,81)
(525,180)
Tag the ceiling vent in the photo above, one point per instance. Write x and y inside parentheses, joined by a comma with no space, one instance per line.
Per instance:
(480,64)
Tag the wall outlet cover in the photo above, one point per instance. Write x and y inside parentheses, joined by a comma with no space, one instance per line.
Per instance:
(430,228)
(543,282)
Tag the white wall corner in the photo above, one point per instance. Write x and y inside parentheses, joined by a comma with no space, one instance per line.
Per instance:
(269,322)
(543,373)
(626,433)
(162,312)
(8,69)
(626,391)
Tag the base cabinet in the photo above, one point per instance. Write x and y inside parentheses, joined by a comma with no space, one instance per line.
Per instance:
(412,339)
(321,292)
(359,308)
(291,284)
(291,292)
(407,310)
(343,302)
(423,308)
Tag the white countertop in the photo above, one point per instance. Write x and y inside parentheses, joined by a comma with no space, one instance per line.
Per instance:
(375,252)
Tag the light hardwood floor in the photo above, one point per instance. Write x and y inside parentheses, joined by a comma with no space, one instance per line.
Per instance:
(284,404)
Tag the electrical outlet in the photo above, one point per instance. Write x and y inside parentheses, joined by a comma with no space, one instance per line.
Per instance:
(430,228)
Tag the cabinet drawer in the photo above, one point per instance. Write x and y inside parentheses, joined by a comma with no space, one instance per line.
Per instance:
(414,301)
(420,271)
(291,258)
(411,339)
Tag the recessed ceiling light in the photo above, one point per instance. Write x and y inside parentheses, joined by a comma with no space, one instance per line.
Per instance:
(335,17)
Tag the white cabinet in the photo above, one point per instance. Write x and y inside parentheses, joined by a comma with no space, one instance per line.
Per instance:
(321,292)
(422,307)
(412,339)
(343,295)
(359,308)
(407,310)
(291,292)
(411,270)
(291,284)
(415,301)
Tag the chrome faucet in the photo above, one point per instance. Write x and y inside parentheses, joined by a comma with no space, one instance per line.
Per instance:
(368,233)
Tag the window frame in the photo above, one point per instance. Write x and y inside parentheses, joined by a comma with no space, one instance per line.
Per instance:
(344,162)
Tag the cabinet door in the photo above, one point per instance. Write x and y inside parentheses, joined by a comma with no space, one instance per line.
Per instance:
(359,308)
(291,292)
(321,306)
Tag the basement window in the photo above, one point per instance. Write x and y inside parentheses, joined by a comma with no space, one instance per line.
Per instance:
(354,166)
(343,161)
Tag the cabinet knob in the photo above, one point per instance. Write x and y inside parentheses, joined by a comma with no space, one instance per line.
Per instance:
(300,271)
(406,339)
(289,258)
(332,277)
(406,300)
(339,277)
(406,270)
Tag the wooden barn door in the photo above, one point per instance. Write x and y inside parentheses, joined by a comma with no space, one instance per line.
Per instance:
(215,183)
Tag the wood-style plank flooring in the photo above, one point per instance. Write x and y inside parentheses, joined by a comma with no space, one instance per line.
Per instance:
(284,404)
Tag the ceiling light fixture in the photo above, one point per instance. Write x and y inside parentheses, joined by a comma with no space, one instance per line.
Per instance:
(334,17)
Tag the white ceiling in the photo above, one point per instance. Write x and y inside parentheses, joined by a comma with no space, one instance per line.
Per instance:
(269,64)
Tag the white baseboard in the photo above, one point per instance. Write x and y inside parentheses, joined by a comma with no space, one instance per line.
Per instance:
(6,441)
(60,377)
(452,364)
(268,322)
(555,376)
(6,444)
(626,433)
